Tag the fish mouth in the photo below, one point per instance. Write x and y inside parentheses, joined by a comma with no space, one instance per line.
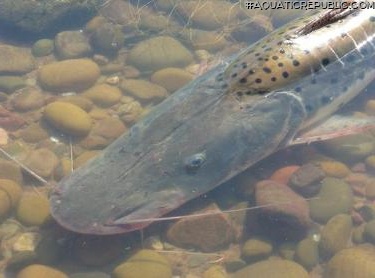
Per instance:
(191,143)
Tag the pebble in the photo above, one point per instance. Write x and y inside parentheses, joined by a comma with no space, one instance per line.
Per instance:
(130,112)
(207,233)
(171,79)
(143,90)
(15,60)
(11,83)
(103,95)
(335,235)
(107,38)
(255,249)
(40,271)
(33,209)
(80,101)
(72,44)
(69,75)
(334,197)
(370,107)
(27,99)
(42,47)
(11,171)
(272,268)
(358,234)
(282,175)
(212,41)
(68,118)
(10,121)
(307,253)
(159,52)
(84,157)
(334,168)
(354,262)
(3,137)
(33,133)
(42,162)
(369,231)
(145,264)
(306,179)
(13,190)
(289,220)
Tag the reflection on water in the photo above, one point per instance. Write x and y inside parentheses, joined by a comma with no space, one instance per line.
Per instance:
(65,98)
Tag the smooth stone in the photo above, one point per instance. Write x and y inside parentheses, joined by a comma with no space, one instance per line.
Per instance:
(84,157)
(171,79)
(370,107)
(130,112)
(287,250)
(9,83)
(40,271)
(10,121)
(145,264)
(358,234)
(103,95)
(283,174)
(108,38)
(369,232)
(289,220)
(159,52)
(27,99)
(72,44)
(334,197)
(350,148)
(80,101)
(42,162)
(212,41)
(307,253)
(15,59)
(143,90)
(306,179)
(335,235)
(207,233)
(33,133)
(68,118)
(42,47)
(255,249)
(13,189)
(272,268)
(5,205)
(354,262)
(69,75)
(334,168)
(9,170)
(33,209)
(110,128)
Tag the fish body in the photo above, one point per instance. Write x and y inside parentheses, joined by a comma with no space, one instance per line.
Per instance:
(221,123)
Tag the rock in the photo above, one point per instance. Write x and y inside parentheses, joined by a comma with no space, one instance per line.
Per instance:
(10,121)
(13,190)
(207,233)
(10,83)
(306,179)
(145,264)
(370,162)
(283,214)
(5,205)
(358,234)
(354,262)
(334,168)
(27,99)
(40,271)
(335,235)
(215,271)
(171,79)
(68,118)
(38,18)
(307,253)
(350,148)
(255,249)
(15,59)
(69,75)
(42,162)
(287,250)
(4,138)
(159,52)
(130,112)
(11,171)
(369,232)
(80,101)
(33,209)
(283,174)
(143,90)
(103,95)
(84,157)
(98,250)
(367,211)
(108,38)
(33,133)
(109,128)
(334,197)
(42,47)
(272,268)
(201,39)
(72,44)
(370,189)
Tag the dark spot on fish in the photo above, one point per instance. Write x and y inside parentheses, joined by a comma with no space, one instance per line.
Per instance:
(307,52)
(234,75)
(293,27)
(275,57)
(266,59)
(235,65)
(279,43)
(224,86)
(328,26)
(250,51)
(273,79)
(260,59)
(194,162)
(239,94)
(325,61)
(325,99)
(344,35)
(282,51)
(257,54)
(296,63)
(258,80)
(267,70)
(244,65)
(243,80)
(282,32)
(268,49)
(248,93)
(298,89)
(219,77)
(285,74)
(372,18)
(280,65)
(264,46)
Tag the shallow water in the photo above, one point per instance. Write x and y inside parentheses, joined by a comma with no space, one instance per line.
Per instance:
(233,232)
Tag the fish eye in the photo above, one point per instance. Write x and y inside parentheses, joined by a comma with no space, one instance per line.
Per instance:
(194,162)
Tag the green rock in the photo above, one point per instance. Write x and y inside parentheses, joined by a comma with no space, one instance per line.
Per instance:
(358,234)
(307,253)
(369,231)
(9,84)
(287,250)
(334,197)
(108,38)
(72,44)
(335,235)
(42,47)
(27,99)
(255,249)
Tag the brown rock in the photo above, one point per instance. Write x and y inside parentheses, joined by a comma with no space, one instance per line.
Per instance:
(15,60)
(143,90)
(306,179)
(10,121)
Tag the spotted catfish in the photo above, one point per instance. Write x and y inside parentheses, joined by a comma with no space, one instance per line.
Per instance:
(238,113)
